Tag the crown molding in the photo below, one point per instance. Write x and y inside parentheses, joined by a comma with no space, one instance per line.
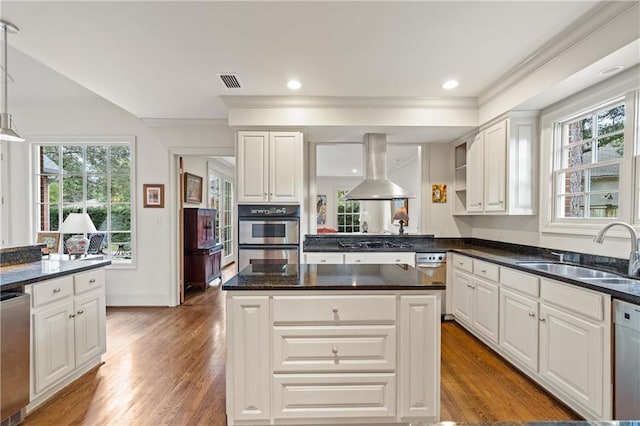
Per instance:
(270,102)
(177,122)
(606,13)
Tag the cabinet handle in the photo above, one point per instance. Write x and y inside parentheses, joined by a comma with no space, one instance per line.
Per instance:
(398,260)
(358,260)
(56,290)
(81,311)
(265,194)
(72,315)
(92,280)
(531,314)
(335,310)
(541,319)
(484,271)
(468,285)
(323,261)
(335,351)
(461,263)
(473,287)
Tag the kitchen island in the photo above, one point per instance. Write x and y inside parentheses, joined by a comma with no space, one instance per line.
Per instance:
(326,344)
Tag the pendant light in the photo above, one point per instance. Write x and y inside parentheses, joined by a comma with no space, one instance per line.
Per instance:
(6,123)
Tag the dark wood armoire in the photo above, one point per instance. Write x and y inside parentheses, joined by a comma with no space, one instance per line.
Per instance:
(202,253)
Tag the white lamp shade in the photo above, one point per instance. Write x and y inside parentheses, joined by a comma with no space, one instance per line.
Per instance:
(78,223)
(365,217)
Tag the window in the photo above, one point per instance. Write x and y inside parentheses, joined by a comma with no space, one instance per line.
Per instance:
(348,213)
(87,178)
(214,200)
(587,172)
(227,227)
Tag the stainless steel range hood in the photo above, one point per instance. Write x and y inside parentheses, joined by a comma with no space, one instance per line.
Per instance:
(376,186)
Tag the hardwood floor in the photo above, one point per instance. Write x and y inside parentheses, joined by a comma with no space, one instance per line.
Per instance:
(167,366)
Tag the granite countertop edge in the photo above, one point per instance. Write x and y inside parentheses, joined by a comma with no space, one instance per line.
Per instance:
(327,287)
(511,259)
(30,273)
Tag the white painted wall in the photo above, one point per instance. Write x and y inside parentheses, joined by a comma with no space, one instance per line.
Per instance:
(151,280)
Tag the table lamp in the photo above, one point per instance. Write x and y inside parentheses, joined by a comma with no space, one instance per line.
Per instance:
(401,215)
(77,223)
(365,218)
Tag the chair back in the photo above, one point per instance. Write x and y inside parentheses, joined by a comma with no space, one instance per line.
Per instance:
(95,243)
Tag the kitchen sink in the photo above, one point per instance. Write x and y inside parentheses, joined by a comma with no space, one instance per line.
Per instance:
(571,271)
(612,281)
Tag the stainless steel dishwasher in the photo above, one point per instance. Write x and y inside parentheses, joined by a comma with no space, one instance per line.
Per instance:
(627,361)
(14,356)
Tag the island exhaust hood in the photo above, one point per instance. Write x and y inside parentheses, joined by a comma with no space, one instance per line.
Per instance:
(376,186)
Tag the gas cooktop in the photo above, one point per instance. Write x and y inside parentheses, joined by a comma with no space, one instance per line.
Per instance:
(373,244)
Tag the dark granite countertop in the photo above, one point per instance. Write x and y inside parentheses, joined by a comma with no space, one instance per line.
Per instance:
(33,272)
(334,277)
(627,292)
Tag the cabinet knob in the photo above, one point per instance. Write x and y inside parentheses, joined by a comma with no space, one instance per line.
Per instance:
(335,310)
(358,260)
(541,319)
(81,311)
(323,260)
(484,271)
(92,280)
(461,263)
(56,290)
(531,314)
(335,351)
(398,260)
(72,315)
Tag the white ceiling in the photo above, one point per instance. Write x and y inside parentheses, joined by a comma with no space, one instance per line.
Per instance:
(159,59)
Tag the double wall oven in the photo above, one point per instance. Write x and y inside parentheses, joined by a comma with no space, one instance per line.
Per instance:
(268,239)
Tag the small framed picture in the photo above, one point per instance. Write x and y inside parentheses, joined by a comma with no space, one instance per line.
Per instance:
(192,188)
(51,239)
(439,193)
(153,195)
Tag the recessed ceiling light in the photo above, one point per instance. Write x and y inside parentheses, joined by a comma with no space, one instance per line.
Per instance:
(450,84)
(354,170)
(294,84)
(611,70)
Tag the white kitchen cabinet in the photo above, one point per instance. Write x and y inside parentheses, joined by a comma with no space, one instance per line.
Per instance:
(519,327)
(248,370)
(462,295)
(319,356)
(269,167)
(460,149)
(69,330)
(501,178)
(484,317)
(363,258)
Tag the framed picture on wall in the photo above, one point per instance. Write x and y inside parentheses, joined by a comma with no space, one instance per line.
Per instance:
(192,188)
(153,195)
(321,212)
(51,239)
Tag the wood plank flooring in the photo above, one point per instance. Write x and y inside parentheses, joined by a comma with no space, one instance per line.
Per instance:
(167,366)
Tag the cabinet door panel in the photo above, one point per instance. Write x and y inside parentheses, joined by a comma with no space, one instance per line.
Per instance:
(89,330)
(252,154)
(485,308)
(495,167)
(248,358)
(572,356)
(53,344)
(462,296)
(519,327)
(475,175)
(284,165)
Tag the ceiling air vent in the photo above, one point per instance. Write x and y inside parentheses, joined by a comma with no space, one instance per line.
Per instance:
(230,81)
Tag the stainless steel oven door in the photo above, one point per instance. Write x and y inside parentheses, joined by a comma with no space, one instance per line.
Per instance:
(267,256)
(268,231)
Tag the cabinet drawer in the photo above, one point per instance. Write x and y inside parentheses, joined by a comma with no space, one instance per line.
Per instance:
(328,258)
(332,349)
(487,270)
(334,309)
(525,283)
(463,262)
(52,290)
(383,257)
(584,302)
(334,395)
(90,280)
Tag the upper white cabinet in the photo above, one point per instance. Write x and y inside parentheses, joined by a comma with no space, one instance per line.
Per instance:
(500,176)
(269,167)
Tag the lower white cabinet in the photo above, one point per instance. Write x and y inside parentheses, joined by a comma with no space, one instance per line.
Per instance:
(364,258)
(323,357)
(557,333)
(68,330)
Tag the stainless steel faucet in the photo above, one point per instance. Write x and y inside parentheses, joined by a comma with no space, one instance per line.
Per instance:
(634,256)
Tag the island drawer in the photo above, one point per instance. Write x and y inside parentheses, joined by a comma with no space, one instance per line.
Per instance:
(52,290)
(330,396)
(90,280)
(326,258)
(334,309)
(462,262)
(333,349)
(525,283)
(487,270)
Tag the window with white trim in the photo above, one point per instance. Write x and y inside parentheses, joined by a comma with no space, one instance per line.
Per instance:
(348,213)
(587,170)
(92,178)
